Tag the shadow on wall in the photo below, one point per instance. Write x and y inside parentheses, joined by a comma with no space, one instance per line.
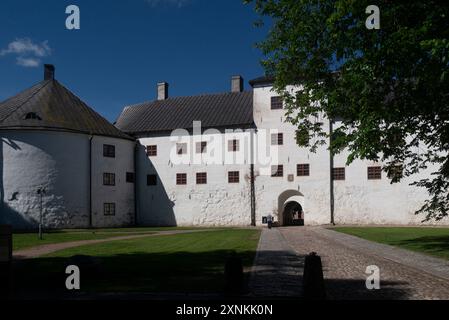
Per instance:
(154,206)
(7,214)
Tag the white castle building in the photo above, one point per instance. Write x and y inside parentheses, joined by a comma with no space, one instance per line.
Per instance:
(218,159)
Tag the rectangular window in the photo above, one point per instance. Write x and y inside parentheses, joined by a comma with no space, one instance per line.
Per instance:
(277,171)
(233,177)
(396,172)
(303,170)
(201,147)
(130,177)
(181,148)
(233,145)
(277,139)
(109,209)
(181,178)
(338,174)
(151,180)
(201,178)
(374,173)
(108,179)
(276,103)
(108,151)
(152,151)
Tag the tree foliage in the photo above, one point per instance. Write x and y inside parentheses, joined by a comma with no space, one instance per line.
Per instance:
(389,87)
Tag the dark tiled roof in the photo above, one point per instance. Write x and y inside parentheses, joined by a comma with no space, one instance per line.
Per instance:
(214,111)
(261,81)
(57,109)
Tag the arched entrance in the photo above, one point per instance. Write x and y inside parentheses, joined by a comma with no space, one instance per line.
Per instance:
(291,208)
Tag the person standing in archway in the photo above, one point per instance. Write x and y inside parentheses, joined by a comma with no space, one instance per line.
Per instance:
(270,221)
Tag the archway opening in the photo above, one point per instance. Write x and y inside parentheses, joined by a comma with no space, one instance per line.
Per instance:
(291,208)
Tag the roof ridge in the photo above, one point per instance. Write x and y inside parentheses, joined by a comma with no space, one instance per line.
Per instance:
(29,98)
(183,97)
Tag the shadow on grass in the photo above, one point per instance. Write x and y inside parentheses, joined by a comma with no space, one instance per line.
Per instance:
(171,276)
(173,272)
(437,245)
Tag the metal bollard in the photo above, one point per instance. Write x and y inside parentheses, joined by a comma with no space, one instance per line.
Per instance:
(5,260)
(313,280)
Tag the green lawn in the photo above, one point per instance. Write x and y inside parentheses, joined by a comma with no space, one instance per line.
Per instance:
(191,262)
(27,240)
(432,241)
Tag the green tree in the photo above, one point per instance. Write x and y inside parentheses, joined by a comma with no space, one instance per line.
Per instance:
(388,86)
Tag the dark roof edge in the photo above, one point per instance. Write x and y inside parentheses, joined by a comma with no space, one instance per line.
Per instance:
(264,80)
(124,137)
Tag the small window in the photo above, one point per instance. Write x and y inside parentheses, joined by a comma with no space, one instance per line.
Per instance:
(303,170)
(109,179)
(181,178)
(181,148)
(276,103)
(32,116)
(277,171)
(151,180)
(109,209)
(374,173)
(233,145)
(233,177)
(152,151)
(108,151)
(201,178)
(201,147)
(395,173)
(130,177)
(338,173)
(277,139)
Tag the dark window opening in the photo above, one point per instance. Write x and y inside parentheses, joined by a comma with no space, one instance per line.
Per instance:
(201,178)
(374,173)
(109,209)
(109,179)
(151,180)
(233,177)
(181,178)
(338,174)
(152,151)
(277,139)
(233,145)
(130,177)
(181,148)
(109,151)
(201,147)
(277,171)
(276,103)
(303,170)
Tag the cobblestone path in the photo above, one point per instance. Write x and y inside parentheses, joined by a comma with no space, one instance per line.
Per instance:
(403,274)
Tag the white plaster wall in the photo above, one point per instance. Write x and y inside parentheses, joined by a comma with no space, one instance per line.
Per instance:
(357,199)
(216,203)
(314,188)
(57,161)
(122,194)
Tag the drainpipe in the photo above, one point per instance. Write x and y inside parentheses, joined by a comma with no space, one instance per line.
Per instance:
(90,181)
(331,176)
(136,150)
(253,189)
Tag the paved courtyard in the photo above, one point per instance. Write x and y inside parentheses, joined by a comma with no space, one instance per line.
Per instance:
(403,274)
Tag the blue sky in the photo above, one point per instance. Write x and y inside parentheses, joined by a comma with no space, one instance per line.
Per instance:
(125,47)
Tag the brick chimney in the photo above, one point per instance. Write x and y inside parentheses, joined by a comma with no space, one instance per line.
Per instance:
(236,84)
(49,72)
(162,90)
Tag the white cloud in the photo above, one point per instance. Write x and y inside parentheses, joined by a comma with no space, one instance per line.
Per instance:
(27,52)
(176,3)
(28,62)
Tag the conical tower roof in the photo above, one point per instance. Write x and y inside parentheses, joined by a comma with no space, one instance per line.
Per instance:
(49,105)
